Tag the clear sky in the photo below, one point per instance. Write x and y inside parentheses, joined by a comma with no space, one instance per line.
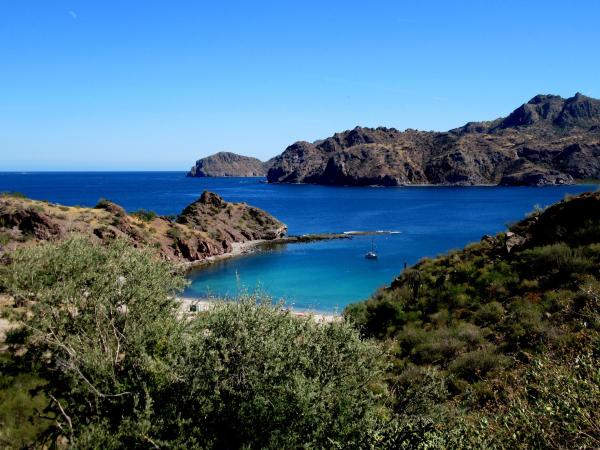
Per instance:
(155,85)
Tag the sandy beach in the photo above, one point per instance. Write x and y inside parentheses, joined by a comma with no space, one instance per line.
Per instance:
(188,304)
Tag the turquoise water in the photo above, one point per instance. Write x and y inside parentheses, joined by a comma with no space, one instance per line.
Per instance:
(323,276)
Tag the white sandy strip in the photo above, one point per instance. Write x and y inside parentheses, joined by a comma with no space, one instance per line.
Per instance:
(237,249)
(205,305)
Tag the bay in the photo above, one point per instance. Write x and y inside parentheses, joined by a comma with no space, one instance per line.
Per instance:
(322,276)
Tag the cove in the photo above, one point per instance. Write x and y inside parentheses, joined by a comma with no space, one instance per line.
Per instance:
(323,276)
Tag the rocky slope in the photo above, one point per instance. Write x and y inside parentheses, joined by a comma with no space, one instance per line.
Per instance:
(495,330)
(548,140)
(208,227)
(226,164)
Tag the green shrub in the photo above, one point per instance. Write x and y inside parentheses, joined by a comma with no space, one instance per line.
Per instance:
(103,204)
(22,405)
(556,263)
(380,318)
(174,232)
(437,349)
(125,369)
(5,238)
(256,370)
(476,364)
(489,314)
(13,194)
(144,215)
(555,405)
(524,325)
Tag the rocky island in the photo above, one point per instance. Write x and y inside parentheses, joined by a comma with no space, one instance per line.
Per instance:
(546,141)
(209,227)
(227,164)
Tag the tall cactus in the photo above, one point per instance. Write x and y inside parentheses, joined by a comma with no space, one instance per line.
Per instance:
(414,281)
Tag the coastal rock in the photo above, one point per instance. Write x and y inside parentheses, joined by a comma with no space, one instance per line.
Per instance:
(230,222)
(548,140)
(208,227)
(523,173)
(559,221)
(227,164)
(513,240)
(29,220)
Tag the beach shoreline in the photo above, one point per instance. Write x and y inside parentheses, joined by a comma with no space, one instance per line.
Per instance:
(187,305)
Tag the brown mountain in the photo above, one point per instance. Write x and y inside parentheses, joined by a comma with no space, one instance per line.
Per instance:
(226,164)
(208,227)
(548,140)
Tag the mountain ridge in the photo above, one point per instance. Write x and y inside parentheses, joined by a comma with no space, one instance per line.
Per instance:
(548,140)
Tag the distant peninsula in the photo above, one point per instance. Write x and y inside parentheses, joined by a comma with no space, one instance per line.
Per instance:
(227,164)
(546,141)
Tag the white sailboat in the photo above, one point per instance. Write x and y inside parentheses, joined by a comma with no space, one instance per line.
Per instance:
(372,254)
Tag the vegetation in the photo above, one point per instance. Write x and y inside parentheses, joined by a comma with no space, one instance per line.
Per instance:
(494,346)
(145,215)
(116,364)
(13,194)
(512,330)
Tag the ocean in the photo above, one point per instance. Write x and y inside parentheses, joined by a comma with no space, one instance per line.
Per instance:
(322,276)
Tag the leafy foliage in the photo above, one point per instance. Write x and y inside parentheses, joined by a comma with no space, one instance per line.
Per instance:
(145,215)
(506,328)
(120,365)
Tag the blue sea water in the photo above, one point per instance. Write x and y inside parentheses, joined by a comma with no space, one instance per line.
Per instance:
(323,276)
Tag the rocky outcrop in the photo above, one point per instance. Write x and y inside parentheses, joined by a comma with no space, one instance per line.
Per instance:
(208,227)
(548,140)
(226,164)
(230,222)
(521,172)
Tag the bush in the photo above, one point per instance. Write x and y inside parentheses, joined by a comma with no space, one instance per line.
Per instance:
(144,215)
(102,328)
(174,232)
(103,204)
(126,369)
(489,314)
(381,318)
(21,406)
(524,326)
(13,194)
(558,262)
(263,377)
(476,364)
(556,404)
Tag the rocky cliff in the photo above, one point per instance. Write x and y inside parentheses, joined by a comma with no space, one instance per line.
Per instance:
(548,140)
(208,227)
(226,164)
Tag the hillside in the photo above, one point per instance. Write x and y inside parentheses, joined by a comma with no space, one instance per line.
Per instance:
(208,227)
(548,140)
(507,330)
(226,164)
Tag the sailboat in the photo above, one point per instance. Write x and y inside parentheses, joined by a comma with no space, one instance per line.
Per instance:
(372,254)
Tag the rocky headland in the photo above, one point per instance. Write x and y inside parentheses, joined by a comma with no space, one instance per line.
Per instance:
(546,141)
(226,164)
(210,227)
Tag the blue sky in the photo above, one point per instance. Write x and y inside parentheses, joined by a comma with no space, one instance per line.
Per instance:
(154,85)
